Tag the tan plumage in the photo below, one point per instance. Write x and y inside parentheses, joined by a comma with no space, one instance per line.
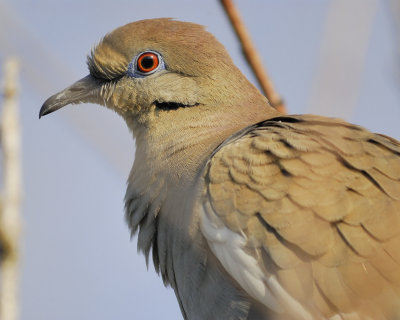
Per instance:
(249,214)
(332,211)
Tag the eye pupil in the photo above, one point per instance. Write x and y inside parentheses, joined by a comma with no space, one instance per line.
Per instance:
(147,62)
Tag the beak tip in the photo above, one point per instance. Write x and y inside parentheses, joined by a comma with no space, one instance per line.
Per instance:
(44,110)
(50,105)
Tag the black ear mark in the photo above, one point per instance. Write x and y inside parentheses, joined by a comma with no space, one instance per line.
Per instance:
(173,105)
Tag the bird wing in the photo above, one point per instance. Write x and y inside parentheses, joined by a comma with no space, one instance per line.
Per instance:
(304,213)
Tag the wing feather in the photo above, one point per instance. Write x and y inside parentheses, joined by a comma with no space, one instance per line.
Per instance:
(304,213)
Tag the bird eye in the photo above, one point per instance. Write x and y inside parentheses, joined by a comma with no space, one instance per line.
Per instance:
(147,62)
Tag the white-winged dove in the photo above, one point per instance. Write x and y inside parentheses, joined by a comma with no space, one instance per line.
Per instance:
(248,213)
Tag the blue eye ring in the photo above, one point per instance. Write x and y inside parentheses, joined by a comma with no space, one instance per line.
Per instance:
(145,63)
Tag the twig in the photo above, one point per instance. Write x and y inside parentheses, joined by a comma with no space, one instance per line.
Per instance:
(252,56)
(10,211)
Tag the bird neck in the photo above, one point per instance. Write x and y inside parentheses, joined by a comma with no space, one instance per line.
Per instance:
(179,148)
(168,161)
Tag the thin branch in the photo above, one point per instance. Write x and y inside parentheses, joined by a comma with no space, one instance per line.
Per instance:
(252,56)
(11,202)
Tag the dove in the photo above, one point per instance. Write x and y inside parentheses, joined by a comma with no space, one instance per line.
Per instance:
(247,213)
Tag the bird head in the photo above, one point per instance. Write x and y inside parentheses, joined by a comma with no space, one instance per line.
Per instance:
(164,77)
(156,64)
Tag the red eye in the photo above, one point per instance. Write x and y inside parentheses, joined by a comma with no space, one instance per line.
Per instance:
(147,62)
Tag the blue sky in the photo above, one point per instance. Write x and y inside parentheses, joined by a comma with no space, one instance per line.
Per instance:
(78,260)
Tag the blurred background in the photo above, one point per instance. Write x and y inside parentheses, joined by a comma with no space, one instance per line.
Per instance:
(333,57)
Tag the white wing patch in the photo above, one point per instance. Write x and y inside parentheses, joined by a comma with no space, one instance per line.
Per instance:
(228,247)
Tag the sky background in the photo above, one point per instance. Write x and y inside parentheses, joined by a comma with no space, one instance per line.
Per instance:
(333,57)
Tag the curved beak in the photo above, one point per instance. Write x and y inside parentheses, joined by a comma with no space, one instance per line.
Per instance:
(84,90)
